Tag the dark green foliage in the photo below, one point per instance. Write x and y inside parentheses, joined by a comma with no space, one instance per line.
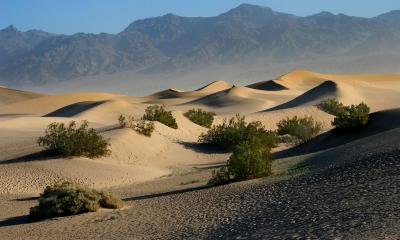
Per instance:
(72,140)
(331,106)
(302,128)
(142,127)
(352,117)
(250,159)
(158,113)
(200,117)
(236,130)
(69,198)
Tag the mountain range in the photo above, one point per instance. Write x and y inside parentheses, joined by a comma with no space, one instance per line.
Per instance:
(172,44)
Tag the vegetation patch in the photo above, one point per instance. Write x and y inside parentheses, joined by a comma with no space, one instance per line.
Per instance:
(142,127)
(200,117)
(235,131)
(70,198)
(250,159)
(302,128)
(331,106)
(73,140)
(352,117)
(158,113)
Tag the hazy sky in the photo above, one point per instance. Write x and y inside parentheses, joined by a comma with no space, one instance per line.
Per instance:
(112,16)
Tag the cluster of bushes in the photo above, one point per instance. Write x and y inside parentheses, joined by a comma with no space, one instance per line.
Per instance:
(69,198)
(346,117)
(352,117)
(142,127)
(237,130)
(251,144)
(303,129)
(200,117)
(158,113)
(73,140)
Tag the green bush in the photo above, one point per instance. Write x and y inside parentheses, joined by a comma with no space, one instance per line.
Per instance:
(352,117)
(142,127)
(331,106)
(250,159)
(303,128)
(158,113)
(236,130)
(72,140)
(200,117)
(69,198)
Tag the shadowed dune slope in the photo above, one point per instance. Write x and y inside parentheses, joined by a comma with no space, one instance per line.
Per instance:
(74,109)
(327,89)
(46,104)
(9,96)
(379,122)
(213,87)
(304,80)
(269,85)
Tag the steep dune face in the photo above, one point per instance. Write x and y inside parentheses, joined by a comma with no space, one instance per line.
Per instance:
(269,85)
(46,104)
(213,87)
(9,96)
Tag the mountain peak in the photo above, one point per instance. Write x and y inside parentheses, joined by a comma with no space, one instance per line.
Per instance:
(248,9)
(11,29)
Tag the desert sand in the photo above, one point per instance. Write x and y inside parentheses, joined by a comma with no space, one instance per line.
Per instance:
(161,177)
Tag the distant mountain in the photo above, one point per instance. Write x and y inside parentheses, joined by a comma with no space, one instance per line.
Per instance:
(171,44)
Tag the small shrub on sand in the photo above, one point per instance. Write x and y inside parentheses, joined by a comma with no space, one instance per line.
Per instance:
(237,130)
(69,198)
(250,159)
(73,140)
(352,117)
(331,106)
(142,127)
(158,113)
(110,200)
(200,117)
(303,128)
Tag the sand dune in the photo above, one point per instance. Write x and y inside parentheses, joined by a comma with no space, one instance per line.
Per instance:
(8,96)
(136,158)
(213,87)
(269,85)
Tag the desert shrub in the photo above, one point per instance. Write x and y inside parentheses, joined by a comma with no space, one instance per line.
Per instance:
(331,106)
(250,159)
(200,117)
(352,117)
(158,113)
(126,121)
(236,130)
(289,139)
(142,127)
(70,198)
(72,140)
(303,128)
(110,200)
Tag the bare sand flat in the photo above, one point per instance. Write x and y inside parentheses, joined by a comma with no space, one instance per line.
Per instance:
(157,170)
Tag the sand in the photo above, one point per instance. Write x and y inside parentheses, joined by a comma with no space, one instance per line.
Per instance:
(170,159)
